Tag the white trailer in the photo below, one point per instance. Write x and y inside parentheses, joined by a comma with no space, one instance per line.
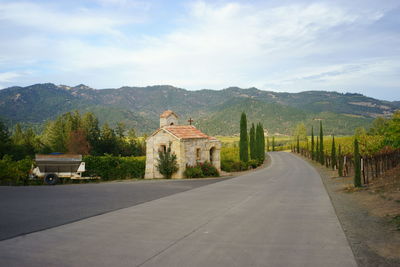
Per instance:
(53,167)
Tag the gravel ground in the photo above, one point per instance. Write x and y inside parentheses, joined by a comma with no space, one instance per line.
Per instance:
(373,239)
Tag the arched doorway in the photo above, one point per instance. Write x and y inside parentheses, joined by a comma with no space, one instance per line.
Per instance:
(212,155)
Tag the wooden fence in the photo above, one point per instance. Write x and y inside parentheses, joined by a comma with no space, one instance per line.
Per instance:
(372,166)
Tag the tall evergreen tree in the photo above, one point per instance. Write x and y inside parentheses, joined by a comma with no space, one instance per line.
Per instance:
(333,153)
(357,165)
(253,144)
(312,143)
(243,143)
(316,158)
(262,141)
(340,157)
(298,145)
(273,143)
(321,144)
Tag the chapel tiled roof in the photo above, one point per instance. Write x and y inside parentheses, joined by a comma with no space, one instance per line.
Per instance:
(166,114)
(186,132)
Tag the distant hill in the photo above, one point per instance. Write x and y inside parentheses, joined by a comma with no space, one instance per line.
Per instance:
(214,111)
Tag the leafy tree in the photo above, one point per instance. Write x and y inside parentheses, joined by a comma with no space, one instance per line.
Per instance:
(90,125)
(120,129)
(167,164)
(243,143)
(378,126)
(77,142)
(312,143)
(5,142)
(108,140)
(321,144)
(253,143)
(333,153)
(392,131)
(357,164)
(300,131)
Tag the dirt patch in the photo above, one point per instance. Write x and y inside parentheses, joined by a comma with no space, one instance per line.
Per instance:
(370,216)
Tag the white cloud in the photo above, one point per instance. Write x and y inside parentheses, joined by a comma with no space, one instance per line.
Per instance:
(298,46)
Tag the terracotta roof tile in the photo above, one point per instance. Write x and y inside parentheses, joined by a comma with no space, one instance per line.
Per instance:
(185,131)
(167,113)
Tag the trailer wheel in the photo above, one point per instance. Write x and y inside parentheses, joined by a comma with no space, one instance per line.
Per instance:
(51,179)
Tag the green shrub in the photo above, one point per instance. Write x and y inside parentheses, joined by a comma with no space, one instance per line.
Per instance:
(112,168)
(14,172)
(167,164)
(233,165)
(208,169)
(254,163)
(193,172)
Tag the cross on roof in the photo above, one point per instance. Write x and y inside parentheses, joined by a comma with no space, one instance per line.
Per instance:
(190,121)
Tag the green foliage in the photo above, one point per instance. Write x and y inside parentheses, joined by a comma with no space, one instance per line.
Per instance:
(5,142)
(193,172)
(392,131)
(298,145)
(260,143)
(14,172)
(229,165)
(267,144)
(208,169)
(109,167)
(273,143)
(253,149)
(333,153)
(321,144)
(167,164)
(254,163)
(357,164)
(341,162)
(300,131)
(243,143)
(317,150)
(312,143)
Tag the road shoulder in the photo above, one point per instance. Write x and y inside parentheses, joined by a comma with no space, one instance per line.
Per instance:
(373,239)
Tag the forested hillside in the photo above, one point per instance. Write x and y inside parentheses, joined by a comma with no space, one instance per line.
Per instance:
(215,111)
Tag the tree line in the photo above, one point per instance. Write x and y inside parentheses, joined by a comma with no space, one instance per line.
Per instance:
(71,132)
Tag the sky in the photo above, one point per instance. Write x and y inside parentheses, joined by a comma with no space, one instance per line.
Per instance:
(277,45)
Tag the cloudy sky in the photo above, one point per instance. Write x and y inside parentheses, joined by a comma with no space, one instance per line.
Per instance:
(279,45)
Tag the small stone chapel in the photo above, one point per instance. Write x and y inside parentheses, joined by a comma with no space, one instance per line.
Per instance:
(189,144)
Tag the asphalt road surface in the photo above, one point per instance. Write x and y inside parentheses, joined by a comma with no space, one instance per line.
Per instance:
(31,208)
(277,216)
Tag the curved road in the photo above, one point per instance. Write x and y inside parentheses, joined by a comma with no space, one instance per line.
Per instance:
(277,216)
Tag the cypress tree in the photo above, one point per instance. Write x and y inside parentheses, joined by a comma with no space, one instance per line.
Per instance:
(298,145)
(340,156)
(316,158)
(321,144)
(273,143)
(357,165)
(312,142)
(333,153)
(252,142)
(243,143)
(262,138)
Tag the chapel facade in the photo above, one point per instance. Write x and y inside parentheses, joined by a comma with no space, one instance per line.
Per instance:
(190,145)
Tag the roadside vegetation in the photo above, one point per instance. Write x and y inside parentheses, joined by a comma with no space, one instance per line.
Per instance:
(74,133)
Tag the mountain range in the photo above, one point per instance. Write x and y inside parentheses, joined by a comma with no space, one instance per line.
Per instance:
(216,112)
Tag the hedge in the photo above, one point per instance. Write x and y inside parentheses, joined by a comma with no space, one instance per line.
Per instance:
(14,172)
(113,168)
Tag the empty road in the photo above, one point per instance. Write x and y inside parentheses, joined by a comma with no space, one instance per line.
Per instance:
(277,216)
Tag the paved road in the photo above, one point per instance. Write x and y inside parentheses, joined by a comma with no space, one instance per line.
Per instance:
(28,209)
(278,216)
